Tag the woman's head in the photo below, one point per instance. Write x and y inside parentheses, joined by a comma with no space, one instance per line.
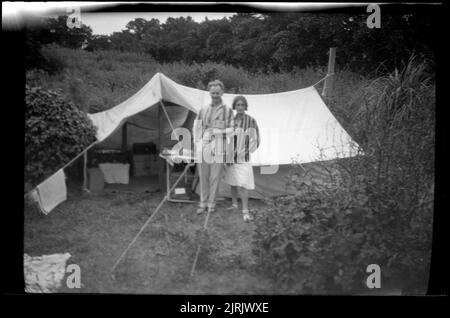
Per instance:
(240,104)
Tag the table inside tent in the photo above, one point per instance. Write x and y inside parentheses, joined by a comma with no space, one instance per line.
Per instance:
(186,161)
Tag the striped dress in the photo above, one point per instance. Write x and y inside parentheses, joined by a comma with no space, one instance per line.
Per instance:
(246,139)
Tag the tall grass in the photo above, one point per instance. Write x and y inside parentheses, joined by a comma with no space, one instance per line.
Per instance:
(371,209)
(99,80)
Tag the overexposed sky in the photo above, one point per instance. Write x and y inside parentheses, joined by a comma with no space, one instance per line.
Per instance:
(14,14)
(107,23)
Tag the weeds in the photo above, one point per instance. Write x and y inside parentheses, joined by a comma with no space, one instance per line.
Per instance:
(372,208)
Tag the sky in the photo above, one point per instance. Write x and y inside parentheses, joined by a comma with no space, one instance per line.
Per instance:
(107,23)
(14,14)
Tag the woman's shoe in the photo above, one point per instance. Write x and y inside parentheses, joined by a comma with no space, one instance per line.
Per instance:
(246,215)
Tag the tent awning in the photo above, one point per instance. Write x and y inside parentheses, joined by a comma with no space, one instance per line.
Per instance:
(294,125)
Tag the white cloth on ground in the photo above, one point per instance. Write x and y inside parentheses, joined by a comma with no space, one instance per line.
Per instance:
(43,274)
(51,192)
(240,174)
(116,172)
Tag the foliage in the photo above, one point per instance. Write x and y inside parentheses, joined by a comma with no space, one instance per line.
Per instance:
(51,31)
(55,132)
(277,42)
(373,208)
(55,30)
(53,60)
(99,80)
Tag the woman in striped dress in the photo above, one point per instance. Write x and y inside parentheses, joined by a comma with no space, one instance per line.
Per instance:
(239,174)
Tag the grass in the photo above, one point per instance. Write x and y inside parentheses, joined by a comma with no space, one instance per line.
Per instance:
(96,228)
(96,81)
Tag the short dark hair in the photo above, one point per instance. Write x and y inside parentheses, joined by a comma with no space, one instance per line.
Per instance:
(216,83)
(238,98)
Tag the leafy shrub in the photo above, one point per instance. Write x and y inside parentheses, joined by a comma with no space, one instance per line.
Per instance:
(309,241)
(99,80)
(33,55)
(55,132)
(373,208)
(198,75)
(54,61)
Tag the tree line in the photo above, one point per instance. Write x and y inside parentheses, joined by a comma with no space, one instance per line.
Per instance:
(267,42)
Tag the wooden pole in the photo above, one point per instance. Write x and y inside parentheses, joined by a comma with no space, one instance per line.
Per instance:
(148,220)
(328,85)
(167,116)
(124,137)
(85,188)
(160,160)
(168,180)
(205,228)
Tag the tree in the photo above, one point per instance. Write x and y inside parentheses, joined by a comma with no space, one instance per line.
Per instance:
(256,41)
(52,30)
(178,39)
(55,30)
(124,41)
(99,42)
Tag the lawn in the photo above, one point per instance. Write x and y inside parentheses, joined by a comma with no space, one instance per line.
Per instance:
(96,228)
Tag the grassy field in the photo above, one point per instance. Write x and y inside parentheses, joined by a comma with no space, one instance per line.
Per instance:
(96,228)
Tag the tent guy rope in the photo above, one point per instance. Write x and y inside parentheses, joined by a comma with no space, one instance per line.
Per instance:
(202,237)
(149,219)
(326,76)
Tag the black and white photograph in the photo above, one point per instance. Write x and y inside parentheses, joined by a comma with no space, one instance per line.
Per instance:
(254,149)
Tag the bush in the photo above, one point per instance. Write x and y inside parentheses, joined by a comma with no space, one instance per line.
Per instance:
(374,208)
(107,78)
(54,61)
(55,132)
(198,75)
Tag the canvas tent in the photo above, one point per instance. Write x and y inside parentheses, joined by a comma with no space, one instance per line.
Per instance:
(293,125)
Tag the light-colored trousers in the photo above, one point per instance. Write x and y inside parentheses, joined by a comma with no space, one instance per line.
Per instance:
(210,175)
